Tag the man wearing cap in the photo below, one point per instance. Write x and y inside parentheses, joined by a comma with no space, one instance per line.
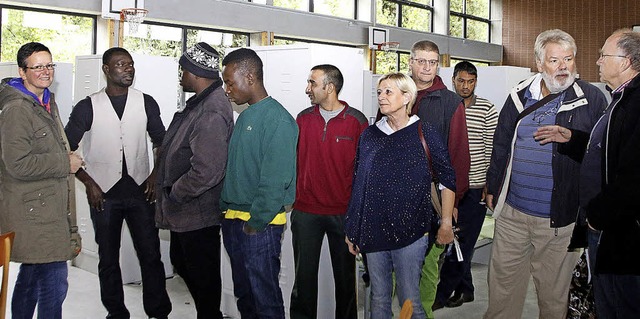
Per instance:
(113,124)
(191,168)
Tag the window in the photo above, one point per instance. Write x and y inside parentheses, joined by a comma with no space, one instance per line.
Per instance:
(282,41)
(469,19)
(387,62)
(292,4)
(409,14)
(336,8)
(217,39)
(153,39)
(66,35)
(167,40)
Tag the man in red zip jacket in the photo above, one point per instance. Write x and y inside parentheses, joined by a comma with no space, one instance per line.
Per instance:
(329,133)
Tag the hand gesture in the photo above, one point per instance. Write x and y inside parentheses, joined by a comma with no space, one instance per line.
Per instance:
(552,133)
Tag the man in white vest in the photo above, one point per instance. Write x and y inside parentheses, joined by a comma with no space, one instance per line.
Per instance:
(113,124)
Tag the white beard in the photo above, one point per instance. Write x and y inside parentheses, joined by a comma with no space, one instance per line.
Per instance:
(556,86)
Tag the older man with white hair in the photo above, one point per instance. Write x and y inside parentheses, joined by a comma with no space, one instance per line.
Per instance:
(532,188)
(609,192)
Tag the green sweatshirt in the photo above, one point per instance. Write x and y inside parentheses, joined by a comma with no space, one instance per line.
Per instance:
(261,166)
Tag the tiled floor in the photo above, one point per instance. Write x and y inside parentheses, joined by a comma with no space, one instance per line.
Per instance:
(83,299)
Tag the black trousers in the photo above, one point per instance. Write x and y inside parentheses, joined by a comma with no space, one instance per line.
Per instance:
(107,225)
(308,232)
(195,256)
(455,276)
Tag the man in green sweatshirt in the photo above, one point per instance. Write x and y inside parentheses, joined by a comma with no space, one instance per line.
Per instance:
(260,182)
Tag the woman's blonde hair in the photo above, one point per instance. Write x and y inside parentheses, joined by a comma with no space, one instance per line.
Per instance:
(405,84)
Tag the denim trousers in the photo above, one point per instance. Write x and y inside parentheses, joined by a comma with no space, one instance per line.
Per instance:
(42,284)
(406,262)
(255,269)
(107,225)
(308,232)
(455,276)
(616,296)
(195,256)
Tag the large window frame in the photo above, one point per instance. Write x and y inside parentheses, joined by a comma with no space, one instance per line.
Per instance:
(409,4)
(184,31)
(466,18)
(311,7)
(94,19)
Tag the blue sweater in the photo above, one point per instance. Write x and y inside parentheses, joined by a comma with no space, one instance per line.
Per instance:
(390,205)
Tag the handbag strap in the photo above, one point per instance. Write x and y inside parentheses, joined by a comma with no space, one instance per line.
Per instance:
(426,149)
(536,106)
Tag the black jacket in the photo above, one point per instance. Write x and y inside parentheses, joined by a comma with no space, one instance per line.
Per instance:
(582,106)
(616,209)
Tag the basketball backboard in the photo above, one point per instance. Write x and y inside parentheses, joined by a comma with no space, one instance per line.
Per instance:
(111,8)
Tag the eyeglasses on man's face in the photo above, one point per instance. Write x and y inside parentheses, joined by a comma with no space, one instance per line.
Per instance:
(40,68)
(422,62)
(602,55)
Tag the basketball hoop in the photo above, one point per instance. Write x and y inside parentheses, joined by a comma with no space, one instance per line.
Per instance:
(389,46)
(133,16)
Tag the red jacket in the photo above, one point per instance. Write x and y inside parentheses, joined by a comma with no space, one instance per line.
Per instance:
(326,156)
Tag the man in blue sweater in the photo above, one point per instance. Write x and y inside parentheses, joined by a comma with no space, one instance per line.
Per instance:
(260,181)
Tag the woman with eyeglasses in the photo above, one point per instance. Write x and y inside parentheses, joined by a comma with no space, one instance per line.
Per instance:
(34,191)
(390,210)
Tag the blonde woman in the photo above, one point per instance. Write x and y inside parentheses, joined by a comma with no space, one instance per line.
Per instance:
(390,209)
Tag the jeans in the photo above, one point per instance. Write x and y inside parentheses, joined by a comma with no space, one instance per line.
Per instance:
(406,262)
(255,268)
(455,276)
(308,231)
(107,224)
(42,284)
(195,256)
(616,296)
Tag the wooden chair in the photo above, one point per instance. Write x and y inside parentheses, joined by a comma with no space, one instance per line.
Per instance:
(407,310)
(6,242)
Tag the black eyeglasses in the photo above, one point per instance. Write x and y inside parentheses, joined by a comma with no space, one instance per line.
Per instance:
(40,68)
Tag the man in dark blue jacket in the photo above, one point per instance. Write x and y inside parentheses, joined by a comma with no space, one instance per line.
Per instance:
(609,179)
(532,188)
